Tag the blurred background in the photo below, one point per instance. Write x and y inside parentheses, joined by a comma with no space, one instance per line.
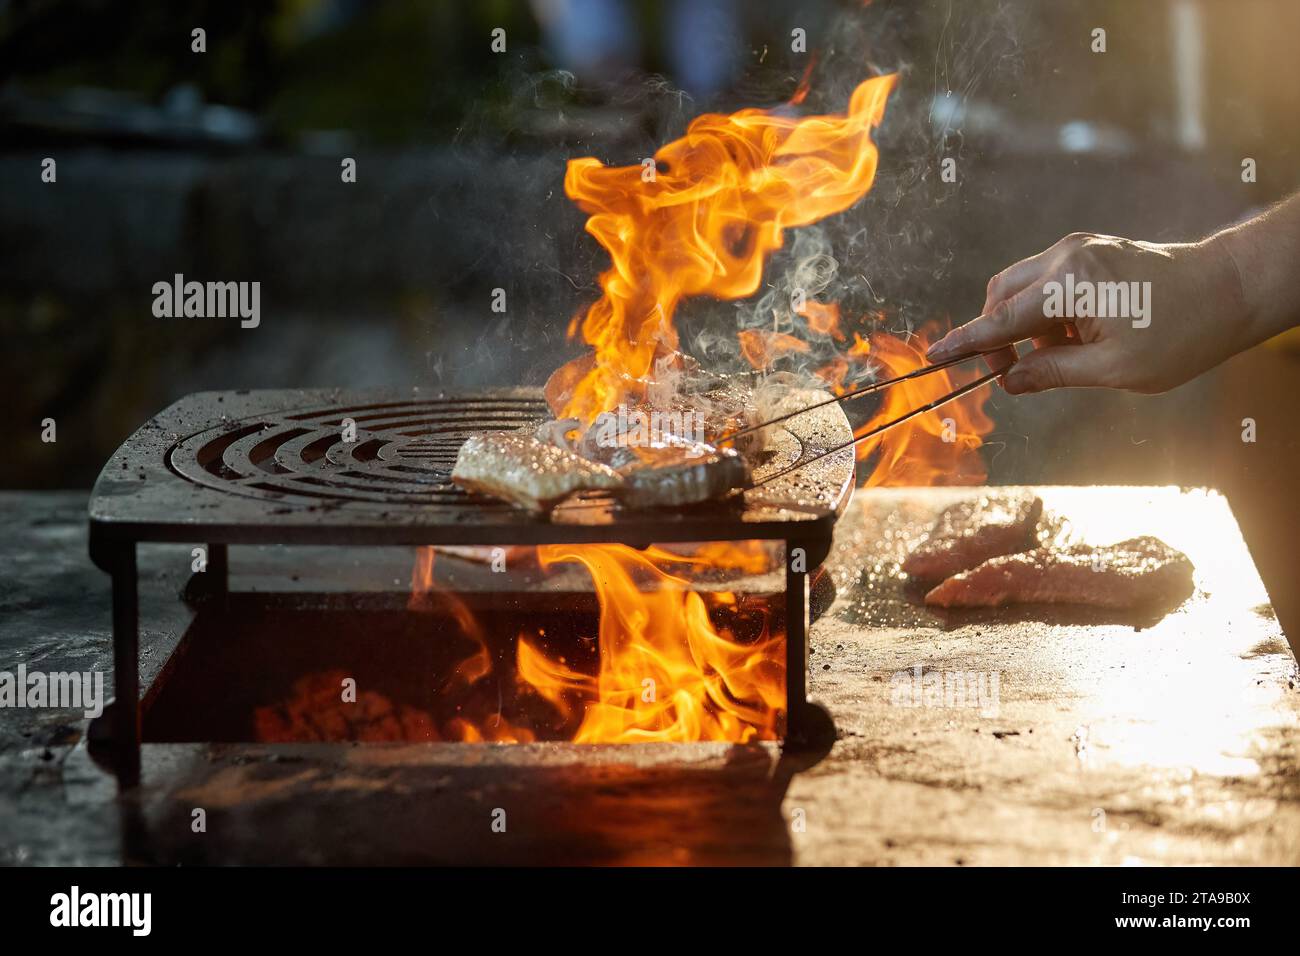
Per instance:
(226,165)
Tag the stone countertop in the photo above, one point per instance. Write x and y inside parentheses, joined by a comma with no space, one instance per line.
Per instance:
(1162,741)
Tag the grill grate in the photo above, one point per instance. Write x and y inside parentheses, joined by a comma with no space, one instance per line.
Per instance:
(402,453)
(272,467)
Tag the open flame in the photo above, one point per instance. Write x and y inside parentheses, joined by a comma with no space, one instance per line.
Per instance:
(676,664)
(667,672)
(673,664)
(702,221)
(940,447)
(427,595)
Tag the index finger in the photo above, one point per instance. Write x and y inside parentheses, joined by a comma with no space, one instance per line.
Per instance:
(1015,277)
(1011,320)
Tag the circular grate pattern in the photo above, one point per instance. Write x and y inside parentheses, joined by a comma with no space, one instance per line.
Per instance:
(403,453)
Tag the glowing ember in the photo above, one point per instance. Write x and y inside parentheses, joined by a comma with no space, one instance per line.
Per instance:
(316,711)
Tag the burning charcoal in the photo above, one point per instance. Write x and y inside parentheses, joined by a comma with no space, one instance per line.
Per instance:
(315,712)
(527,472)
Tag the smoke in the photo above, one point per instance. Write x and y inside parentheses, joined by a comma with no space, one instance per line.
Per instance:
(804,271)
(884,261)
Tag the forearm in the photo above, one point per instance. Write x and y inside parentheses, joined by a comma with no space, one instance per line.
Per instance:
(1264,256)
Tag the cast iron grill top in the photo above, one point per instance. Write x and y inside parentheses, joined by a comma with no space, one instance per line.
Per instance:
(403,453)
(272,467)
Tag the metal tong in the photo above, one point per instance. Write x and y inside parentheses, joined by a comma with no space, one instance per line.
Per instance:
(865,390)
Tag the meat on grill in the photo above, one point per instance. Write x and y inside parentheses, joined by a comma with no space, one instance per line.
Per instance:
(535,474)
(682,475)
(527,472)
(1139,572)
(973,531)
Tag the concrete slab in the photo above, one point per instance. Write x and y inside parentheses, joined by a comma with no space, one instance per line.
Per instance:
(1169,741)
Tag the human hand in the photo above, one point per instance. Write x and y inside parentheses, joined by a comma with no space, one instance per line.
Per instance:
(1158,315)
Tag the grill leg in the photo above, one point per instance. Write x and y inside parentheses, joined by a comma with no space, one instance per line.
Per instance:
(126,668)
(808,726)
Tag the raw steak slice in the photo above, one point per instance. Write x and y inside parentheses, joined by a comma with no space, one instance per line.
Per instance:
(971,532)
(1135,573)
(525,471)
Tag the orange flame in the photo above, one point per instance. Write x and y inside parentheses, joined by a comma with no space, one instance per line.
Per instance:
(671,663)
(805,82)
(675,664)
(702,221)
(940,447)
(667,673)
(428,595)
(761,347)
(823,318)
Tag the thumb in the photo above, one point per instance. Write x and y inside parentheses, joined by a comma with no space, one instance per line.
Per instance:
(1058,366)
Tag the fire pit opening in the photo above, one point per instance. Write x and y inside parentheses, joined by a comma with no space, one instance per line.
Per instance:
(599,643)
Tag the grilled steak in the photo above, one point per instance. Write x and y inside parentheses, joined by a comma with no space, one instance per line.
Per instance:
(527,472)
(656,453)
(1135,573)
(971,532)
(681,475)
